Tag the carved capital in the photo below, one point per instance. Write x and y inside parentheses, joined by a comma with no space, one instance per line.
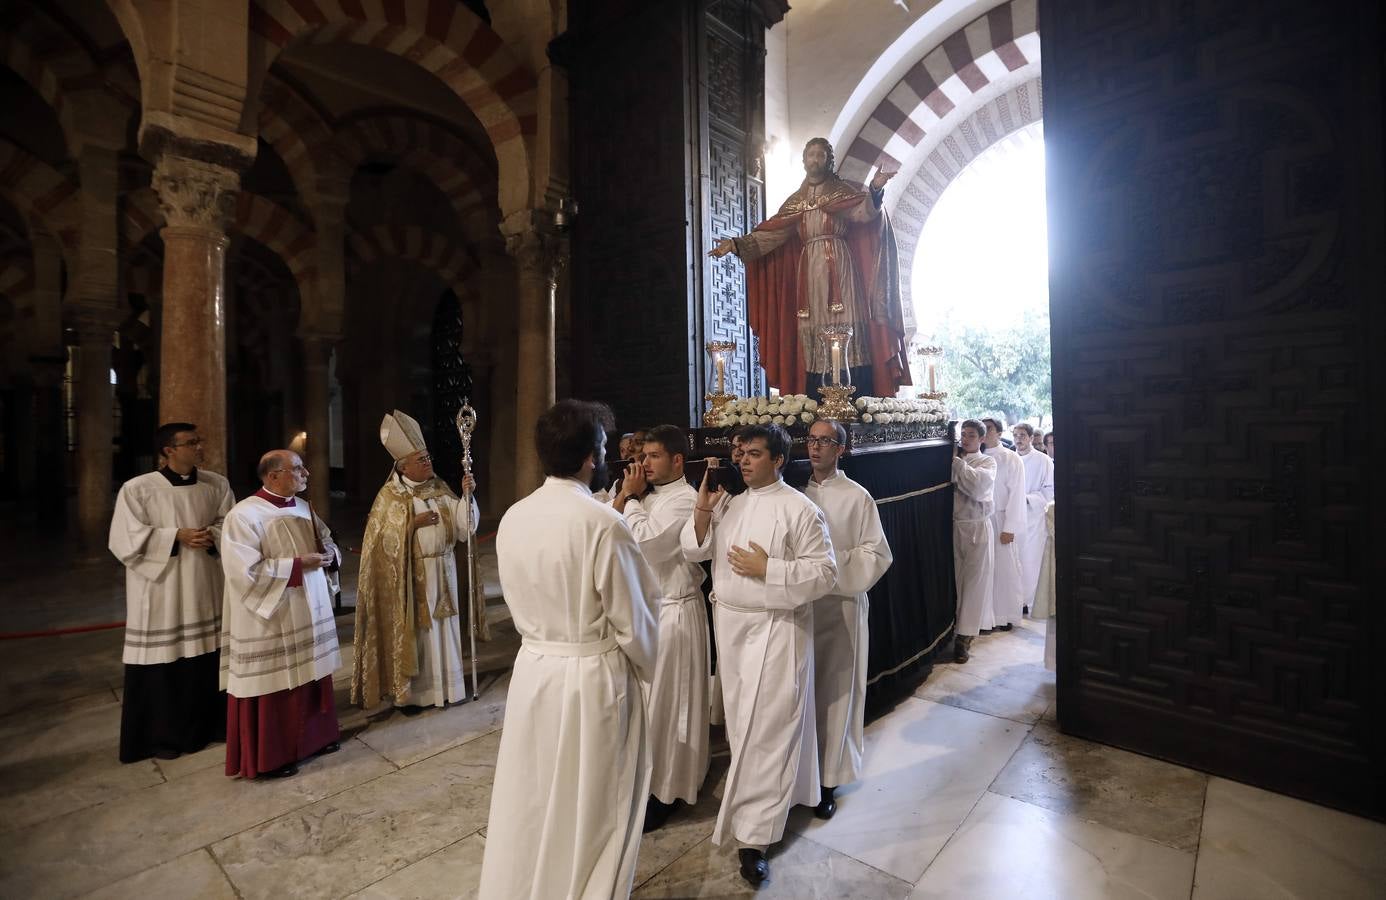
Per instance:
(194,194)
(537,253)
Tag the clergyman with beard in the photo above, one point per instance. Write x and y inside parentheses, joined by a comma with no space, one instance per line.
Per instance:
(826,258)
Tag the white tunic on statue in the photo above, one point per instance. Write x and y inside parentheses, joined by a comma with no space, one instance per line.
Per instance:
(172,601)
(274,637)
(678,704)
(1039,491)
(840,632)
(973,479)
(1008,514)
(573,771)
(442,677)
(764,633)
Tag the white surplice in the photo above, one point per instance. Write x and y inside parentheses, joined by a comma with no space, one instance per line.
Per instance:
(274,637)
(974,477)
(573,772)
(1045,597)
(442,677)
(172,600)
(1008,514)
(678,705)
(840,632)
(764,633)
(1039,491)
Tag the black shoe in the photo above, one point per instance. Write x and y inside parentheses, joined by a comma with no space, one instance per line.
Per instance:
(754,867)
(657,813)
(411,710)
(166,754)
(961,645)
(283,772)
(330,748)
(826,804)
(1025,610)
(1006,627)
(986,630)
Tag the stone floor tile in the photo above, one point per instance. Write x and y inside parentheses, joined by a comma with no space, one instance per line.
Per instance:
(954,686)
(1008,849)
(78,852)
(1125,791)
(213,755)
(453,872)
(193,876)
(1259,844)
(925,766)
(405,740)
(686,828)
(800,869)
(356,837)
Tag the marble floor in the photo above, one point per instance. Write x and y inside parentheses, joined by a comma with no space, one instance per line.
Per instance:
(969,791)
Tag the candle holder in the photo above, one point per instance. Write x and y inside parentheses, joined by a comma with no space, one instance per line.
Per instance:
(836,392)
(928,355)
(719,398)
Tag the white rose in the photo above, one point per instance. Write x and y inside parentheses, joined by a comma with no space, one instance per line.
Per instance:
(867,418)
(811,405)
(806,418)
(763,420)
(778,420)
(861,403)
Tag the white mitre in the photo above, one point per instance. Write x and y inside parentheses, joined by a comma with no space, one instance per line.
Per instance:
(401,435)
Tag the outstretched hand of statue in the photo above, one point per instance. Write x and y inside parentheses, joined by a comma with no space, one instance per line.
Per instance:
(724,246)
(881,178)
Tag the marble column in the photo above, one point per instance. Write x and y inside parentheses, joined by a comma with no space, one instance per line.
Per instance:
(538,258)
(95,430)
(42,464)
(198,199)
(317,353)
(95,304)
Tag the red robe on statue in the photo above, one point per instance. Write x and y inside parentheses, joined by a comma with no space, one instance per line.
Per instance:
(778,297)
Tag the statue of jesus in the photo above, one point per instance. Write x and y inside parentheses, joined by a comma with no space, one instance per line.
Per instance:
(827,257)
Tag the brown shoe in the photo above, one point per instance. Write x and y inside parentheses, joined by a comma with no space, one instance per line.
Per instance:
(961,645)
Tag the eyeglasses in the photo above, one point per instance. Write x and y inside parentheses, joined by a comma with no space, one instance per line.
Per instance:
(289,469)
(195,442)
(823,442)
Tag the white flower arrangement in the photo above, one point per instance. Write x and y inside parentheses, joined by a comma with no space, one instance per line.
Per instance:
(792,409)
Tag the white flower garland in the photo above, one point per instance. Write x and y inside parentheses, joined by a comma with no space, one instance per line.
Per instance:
(792,409)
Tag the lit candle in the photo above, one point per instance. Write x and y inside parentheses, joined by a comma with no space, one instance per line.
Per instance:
(837,363)
(931,378)
(721,374)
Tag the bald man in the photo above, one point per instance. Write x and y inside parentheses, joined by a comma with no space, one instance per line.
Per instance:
(279,638)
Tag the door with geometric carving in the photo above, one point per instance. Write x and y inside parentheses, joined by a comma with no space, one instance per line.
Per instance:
(1216,234)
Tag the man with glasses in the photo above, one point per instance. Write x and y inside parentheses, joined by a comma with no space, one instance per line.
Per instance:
(771,558)
(279,637)
(840,618)
(165,532)
(408,600)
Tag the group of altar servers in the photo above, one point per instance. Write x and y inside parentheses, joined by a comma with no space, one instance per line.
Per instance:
(607,720)
(1001,528)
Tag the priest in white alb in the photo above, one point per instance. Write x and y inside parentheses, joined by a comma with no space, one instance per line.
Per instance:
(573,771)
(409,604)
(1009,527)
(657,502)
(771,558)
(974,477)
(840,631)
(279,637)
(1039,493)
(165,531)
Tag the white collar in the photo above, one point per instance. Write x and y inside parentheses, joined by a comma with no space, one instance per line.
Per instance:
(569,482)
(772,486)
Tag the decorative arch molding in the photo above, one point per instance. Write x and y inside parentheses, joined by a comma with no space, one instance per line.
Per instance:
(300,136)
(443,38)
(411,243)
(43,196)
(948,154)
(464,176)
(50,61)
(963,72)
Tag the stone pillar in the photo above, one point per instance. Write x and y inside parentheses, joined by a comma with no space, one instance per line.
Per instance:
(43,464)
(198,200)
(538,258)
(317,352)
(94,296)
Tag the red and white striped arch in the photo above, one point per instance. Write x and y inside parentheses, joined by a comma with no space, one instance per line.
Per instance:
(300,136)
(962,72)
(411,243)
(45,197)
(441,36)
(50,61)
(465,176)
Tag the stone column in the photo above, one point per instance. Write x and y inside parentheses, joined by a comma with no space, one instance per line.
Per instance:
(42,464)
(538,258)
(317,352)
(198,199)
(95,303)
